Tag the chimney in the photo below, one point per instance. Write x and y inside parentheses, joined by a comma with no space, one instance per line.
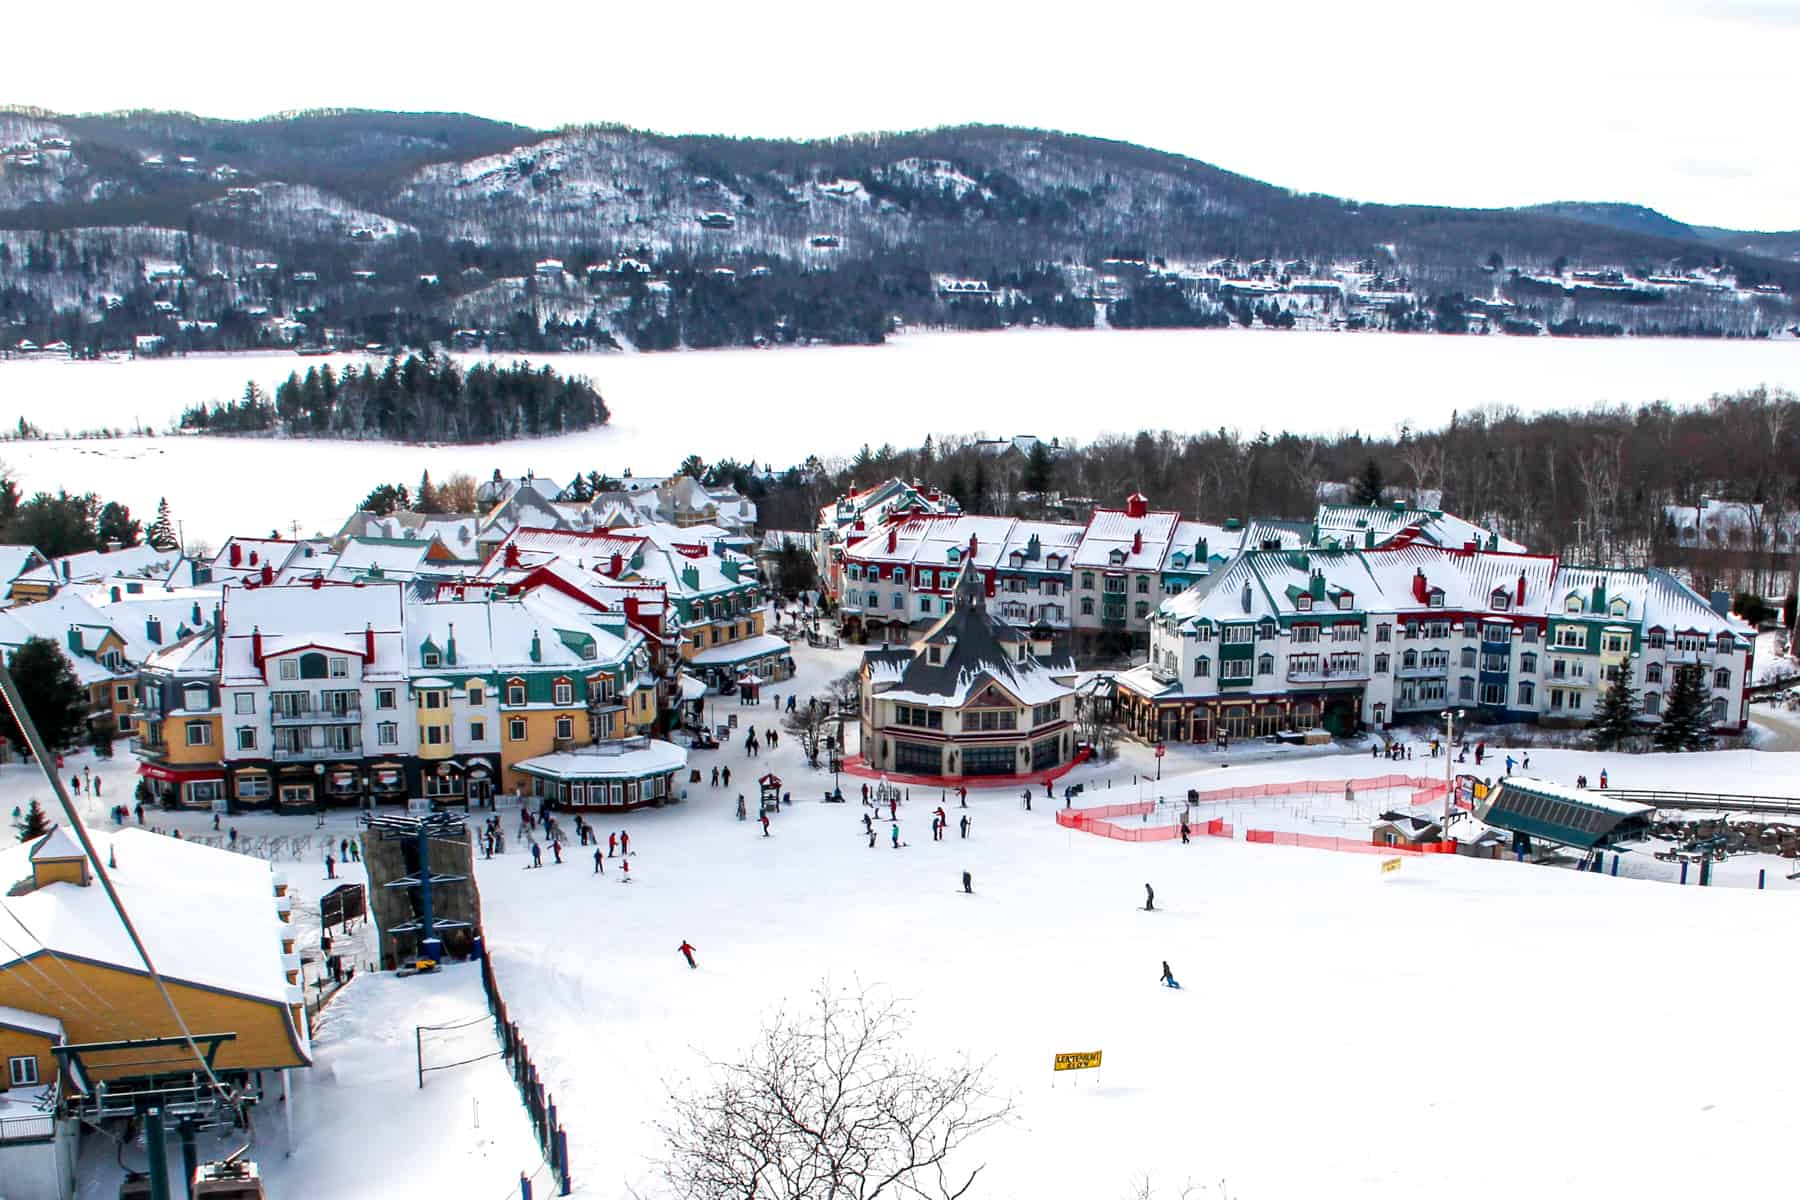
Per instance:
(1200,554)
(1519,598)
(450,647)
(1421,590)
(75,639)
(253,558)
(268,574)
(511,558)
(631,608)
(1318,585)
(256,654)
(988,584)
(618,564)
(537,647)
(368,646)
(893,536)
(1137,541)
(1245,598)
(318,581)
(853,491)
(859,527)
(236,554)
(1136,505)
(974,544)
(1721,603)
(113,544)
(153,630)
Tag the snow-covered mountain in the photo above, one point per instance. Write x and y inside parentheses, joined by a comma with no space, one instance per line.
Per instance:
(357,227)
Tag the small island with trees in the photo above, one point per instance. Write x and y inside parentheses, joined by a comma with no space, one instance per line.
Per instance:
(421,398)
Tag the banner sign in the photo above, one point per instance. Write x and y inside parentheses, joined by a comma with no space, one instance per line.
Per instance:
(1081,1060)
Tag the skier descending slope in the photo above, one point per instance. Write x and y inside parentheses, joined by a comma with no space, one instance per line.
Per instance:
(687,952)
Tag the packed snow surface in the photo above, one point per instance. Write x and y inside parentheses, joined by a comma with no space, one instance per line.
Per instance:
(748,404)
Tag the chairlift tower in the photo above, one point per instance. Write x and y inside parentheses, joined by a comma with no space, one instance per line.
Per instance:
(421,829)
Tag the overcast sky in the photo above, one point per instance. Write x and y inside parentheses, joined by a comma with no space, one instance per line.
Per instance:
(1686,107)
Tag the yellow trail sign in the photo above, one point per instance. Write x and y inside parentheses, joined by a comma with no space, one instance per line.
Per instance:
(1081,1060)
(1389,865)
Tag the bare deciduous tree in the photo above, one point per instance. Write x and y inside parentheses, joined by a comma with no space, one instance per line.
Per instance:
(810,725)
(830,1105)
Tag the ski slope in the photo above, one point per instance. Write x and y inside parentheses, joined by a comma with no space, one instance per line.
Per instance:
(1457,1028)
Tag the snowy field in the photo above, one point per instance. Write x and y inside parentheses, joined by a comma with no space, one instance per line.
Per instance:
(747,403)
(1332,1021)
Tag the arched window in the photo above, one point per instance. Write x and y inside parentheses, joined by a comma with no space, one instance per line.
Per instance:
(1409,660)
(1202,667)
(1265,664)
(1721,678)
(1718,711)
(1653,674)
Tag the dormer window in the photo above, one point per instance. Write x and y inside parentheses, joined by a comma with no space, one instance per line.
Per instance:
(1117,557)
(1015,558)
(1303,602)
(1573,603)
(1345,601)
(431,658)
(1437,598)
(1054,562)
(935,656)
(1620,607)
(1179,562)
(1500,601)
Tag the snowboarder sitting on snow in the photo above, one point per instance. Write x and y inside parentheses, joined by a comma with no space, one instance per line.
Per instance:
(1168,979)
(687,952)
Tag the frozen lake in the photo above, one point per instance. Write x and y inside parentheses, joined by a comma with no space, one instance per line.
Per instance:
(780,405)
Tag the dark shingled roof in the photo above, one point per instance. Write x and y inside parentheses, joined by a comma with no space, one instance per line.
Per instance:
(978,642)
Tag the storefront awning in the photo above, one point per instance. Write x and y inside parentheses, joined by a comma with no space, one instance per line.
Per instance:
(198,774)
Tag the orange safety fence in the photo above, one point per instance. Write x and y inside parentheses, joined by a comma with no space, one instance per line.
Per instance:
(1097,821)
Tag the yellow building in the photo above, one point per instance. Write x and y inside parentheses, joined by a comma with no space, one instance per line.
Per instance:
(215,923)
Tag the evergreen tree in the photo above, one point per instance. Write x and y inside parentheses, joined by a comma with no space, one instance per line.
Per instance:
(1037,473)
(1370,486)
(161,533)
(1615,718)
(56,702)
(692,466)
(1687,712)
(425,500)
(116,525)
(384,500)
(56,525)
(795,569)
(34,824)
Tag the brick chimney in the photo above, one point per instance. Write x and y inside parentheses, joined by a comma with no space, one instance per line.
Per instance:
(511,557)
(268,574)
(368,646)
(1520,597)
(236,554)
(1421,590)
(1136,506)
(256,654)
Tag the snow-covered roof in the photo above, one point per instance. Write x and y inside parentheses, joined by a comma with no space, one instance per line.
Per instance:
(337,617)
(16,560)
(630,758)
(58,845)
(746,648)
(167,884)
(1130,539)
(30,1022)
(89,565)
(1590,797)
(1371,525)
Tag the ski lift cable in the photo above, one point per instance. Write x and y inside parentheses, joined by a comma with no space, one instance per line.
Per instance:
(9,689)
(105,1005)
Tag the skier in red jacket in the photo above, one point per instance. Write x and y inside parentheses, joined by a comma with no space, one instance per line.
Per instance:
(687,952)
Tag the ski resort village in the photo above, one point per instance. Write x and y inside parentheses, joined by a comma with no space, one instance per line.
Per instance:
(561,841)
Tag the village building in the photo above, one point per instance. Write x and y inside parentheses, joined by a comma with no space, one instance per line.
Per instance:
(973,696)
(93,649)
(1288,641)
(69,1049)
(179,734)
(855,514)
(1117,569)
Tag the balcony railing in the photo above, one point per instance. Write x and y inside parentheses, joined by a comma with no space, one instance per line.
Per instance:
(1326,673)
(282,753)
(1423,670)
(317,716)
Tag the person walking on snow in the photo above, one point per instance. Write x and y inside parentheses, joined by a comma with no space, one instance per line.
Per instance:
(725,774)
(1526,765)
(624,844)
(1509,764)
(1603,779)
(537,855)
(965,825)
(556,851)
(1184,831)
(330,866)
(968,884)
(1168,978)
(1149,898)
(715,777)
(765,824)
(893,809)
(612,844)
(895,831)
(687,952)
(599,858)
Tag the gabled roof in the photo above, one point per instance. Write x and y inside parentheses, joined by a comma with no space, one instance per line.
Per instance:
(16,560)
(90,565)
(59,845)
(975,649)
(1141,539)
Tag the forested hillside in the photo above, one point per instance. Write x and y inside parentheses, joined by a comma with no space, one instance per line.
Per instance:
(350,228)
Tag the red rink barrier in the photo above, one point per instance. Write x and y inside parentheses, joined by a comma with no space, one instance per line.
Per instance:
(1099,820)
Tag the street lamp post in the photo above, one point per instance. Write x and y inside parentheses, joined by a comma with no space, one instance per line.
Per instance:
(1449,768)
